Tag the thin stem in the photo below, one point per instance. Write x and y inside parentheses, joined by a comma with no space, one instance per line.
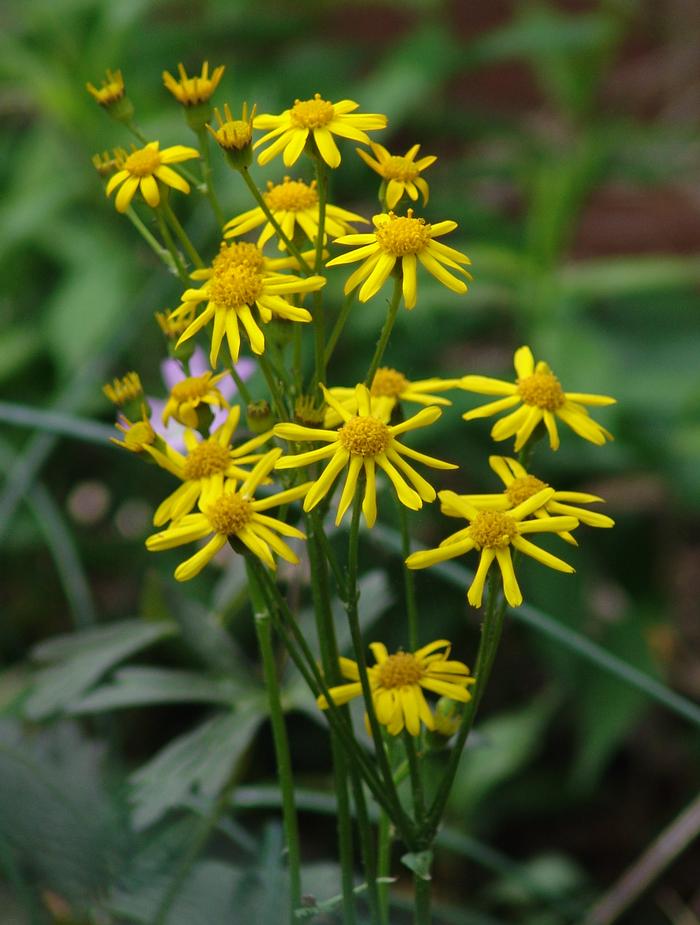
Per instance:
(151,240)
(243,389)
(279,735)
(182,235)
(275,394)
(170,244)
(339,325)
(409,579)
(203,137)
(416,781)
(257,195)
(386,331)
(488,645)
(319,307)
(422,896)
(384,865)
(356,633)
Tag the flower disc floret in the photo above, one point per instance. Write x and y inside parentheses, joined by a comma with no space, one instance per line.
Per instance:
(542,390)
(229,513)
(143,162)
(234,286)
(403,235)
(314,113)
(491,530)
(207,458)
(364,436)
(399,670)
(291,195)
(191,91)
(388,382)
(522,488)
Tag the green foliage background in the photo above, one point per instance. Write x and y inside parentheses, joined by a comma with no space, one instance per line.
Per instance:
(568,145)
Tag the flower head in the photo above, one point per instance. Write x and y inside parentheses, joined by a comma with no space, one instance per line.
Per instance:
(190,392)
(143,168)
(540,396)
(521,485)
(239,279)
(110,92)
(398,681)
(364,442)
(124,390)
(292,203)
(106,164)
(233,135)
(191,91)
(388,388)
(493,533)
(234,514)
(406,239)
(204,466)
(401,173)
(289,131)
(138,435)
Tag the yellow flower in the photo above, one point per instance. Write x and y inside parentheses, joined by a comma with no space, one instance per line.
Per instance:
(493,533)
(520,486)
(289,131)
(190,91)
(121,391)
(397,683)
(186,396)
(203,470)
(235,515)
(111,91)
(233,134)
(390,386)
(143,168)
(541,398)
(363,442)
(238,279)
(401,173)
(173,325)
(403,238)
(106,163)
(138,435)
(292,203)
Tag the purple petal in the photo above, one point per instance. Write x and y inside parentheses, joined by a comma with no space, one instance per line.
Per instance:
(199,362)
(173,432)
(172,372)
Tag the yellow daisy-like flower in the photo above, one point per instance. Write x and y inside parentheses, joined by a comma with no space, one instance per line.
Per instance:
(493,533)
(322,119)
(401,173)
(390,386)
(234,514)
(143,168)
(233,134)
(106,164)
(203,470)
(138,435)
(407,239)
(363,443)
(520,486)
(292,203)
(239,279)
(111,91)
(190,91)
(397,683)
(186,396)
(173,325)
(121,391)
(541,398)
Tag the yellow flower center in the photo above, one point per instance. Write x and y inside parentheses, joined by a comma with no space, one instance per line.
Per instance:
(291,196)
(235,255)
(139,435)
(399,670)
(388,382)
(229,513)
(492,530)
(235,134)
(523,488)
(542,390)
(235,286)
(403,235)
(143,163)
(206,459)
(313,113)
(399,168)
(191,388)
(364,436)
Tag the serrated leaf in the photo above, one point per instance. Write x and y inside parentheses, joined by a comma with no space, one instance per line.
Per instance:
(201,760)
(82,658)
(137,686)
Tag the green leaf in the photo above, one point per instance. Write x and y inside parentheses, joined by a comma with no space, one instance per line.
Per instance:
(618,276)
(77,660)
(419,862)
(137,686)
(203,759)
(18,346)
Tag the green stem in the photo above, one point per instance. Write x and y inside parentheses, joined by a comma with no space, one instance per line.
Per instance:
(339,325)
(182,235)
(243,389)
(257,195)
(416,781)
(409,579)
(275,394)
(170,244)
(203,137)
(386,331)
(488,645)
(422,891)
(162,252)
(398,814)
(319,307)
(279,735)
(384,865)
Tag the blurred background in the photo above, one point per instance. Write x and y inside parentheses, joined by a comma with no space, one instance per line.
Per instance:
(568,144)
